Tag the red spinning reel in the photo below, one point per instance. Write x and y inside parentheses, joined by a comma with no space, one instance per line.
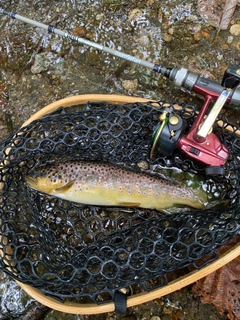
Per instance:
(200,144)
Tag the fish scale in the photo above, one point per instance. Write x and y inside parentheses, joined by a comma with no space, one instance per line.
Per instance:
(110,185)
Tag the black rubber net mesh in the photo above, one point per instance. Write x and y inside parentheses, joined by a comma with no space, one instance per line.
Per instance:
(75,251)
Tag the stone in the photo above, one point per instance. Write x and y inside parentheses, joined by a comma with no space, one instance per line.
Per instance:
(155,318)
(167,37)
(235,29)
(130,84)
(197,36)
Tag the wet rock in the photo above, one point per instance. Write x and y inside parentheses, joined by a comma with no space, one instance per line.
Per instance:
(43,61)
(99,17)
(134,15)
(230,39)
(35,312)
(196,28)
(205,34)
(192,18)
(130,317)
(167,37)
(130,84)
(14,301)
(197,36)
(236,44)
(166,317)
(235,29)
(225,46)
(56,315)
(79,31)
(144,41)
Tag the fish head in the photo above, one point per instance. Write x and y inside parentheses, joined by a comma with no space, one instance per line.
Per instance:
(46,183)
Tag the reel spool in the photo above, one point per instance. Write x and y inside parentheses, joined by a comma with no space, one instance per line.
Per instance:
(139,298)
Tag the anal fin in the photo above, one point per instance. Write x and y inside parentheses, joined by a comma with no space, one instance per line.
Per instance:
(129,204)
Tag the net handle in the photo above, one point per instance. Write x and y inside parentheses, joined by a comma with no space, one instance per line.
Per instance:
(136,299)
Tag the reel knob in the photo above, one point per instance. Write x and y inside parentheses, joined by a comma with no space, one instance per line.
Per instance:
(167,133)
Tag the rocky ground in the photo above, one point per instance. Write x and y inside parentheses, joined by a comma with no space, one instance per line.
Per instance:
(38,68)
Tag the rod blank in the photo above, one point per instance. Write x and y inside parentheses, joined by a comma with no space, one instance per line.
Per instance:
(89,43)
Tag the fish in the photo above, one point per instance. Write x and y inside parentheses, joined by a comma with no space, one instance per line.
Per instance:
(104,184)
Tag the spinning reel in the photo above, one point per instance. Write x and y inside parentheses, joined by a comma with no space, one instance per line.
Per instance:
(200,144)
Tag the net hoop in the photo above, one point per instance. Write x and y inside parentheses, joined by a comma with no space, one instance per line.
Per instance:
(136,299)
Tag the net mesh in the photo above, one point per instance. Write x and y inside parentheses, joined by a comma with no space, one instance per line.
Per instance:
(70,250)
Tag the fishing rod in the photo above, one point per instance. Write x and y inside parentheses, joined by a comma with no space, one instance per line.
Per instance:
(200,143)
(181,77)
(69,36)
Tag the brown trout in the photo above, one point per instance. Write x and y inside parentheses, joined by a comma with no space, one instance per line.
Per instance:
(109,185)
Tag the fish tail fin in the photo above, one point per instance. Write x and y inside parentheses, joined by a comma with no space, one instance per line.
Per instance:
(200,199)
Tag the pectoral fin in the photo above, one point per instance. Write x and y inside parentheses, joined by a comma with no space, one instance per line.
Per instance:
(129,204)
(65,188)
